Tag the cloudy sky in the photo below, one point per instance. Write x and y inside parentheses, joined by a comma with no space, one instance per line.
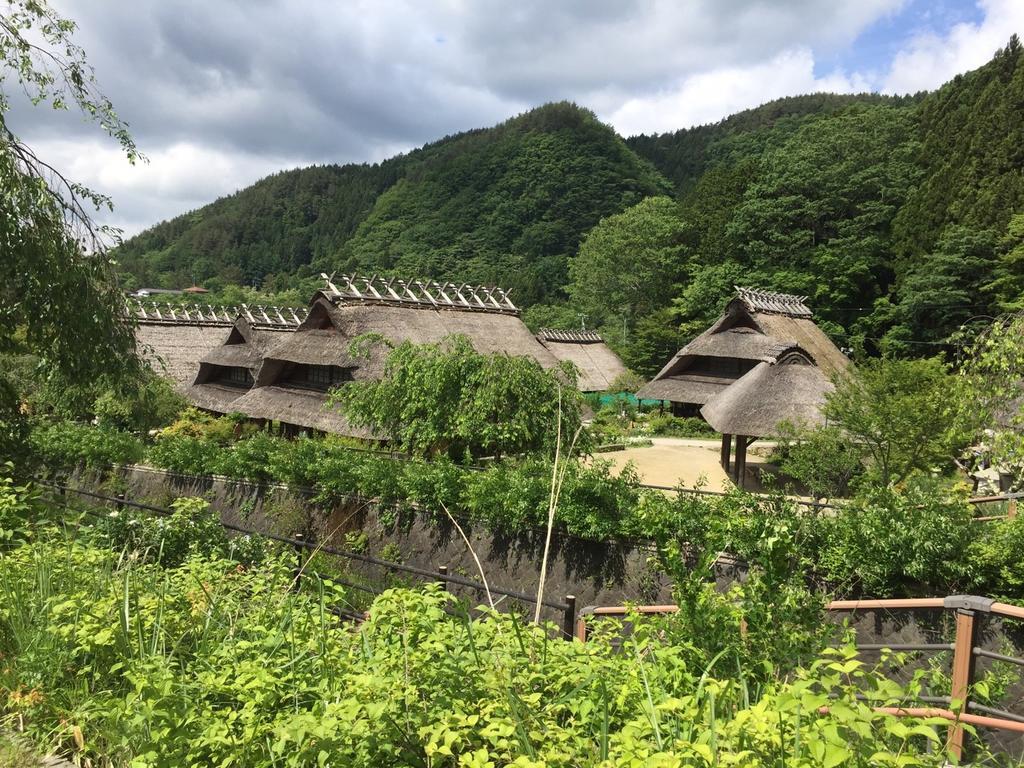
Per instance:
(219,94)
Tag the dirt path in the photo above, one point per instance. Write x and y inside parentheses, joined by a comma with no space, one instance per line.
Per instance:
(688,462)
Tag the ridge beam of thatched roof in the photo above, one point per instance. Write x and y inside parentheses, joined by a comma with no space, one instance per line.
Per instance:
(194,314)
(773,303)
(377,290)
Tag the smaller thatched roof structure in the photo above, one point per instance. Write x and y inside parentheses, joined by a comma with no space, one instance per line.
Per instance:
(598,366)
(749,332)
(301,407)
(788,387)
(228,371)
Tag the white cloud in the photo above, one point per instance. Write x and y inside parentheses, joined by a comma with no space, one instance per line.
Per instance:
(710,96)
(930,60)
(177,178)
(220,94)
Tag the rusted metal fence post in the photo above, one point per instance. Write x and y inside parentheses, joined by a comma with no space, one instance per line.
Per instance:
(569,617)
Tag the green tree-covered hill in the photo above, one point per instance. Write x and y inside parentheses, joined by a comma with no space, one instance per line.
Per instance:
(901,218)
(504,205)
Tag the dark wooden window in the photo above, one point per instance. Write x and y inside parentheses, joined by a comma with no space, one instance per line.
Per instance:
(235,377)
(318,377)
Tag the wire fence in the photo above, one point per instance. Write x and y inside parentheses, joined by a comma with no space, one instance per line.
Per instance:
(567,606)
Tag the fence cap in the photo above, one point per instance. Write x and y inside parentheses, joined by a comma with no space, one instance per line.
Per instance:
(969,603)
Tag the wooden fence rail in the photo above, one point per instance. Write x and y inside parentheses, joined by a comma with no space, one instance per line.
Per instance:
(968,609)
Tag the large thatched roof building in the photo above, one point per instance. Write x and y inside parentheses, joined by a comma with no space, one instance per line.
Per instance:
(173,338)
(292,384)
(598,365)
(753,325)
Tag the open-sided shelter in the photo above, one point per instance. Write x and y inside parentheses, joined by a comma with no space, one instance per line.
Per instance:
(598,366)
(293,383)
(785,386)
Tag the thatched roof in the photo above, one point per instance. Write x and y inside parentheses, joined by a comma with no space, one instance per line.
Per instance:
(244,347)
(325,337)
(302,407)
(214,396)
(598,365)
(750,331)
(174,350)
(789,388)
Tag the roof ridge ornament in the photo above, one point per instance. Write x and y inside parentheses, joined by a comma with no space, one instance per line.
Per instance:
(217,314)
(770,302)
(571,337)
(422,293)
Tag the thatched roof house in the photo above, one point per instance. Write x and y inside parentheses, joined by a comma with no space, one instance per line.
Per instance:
(785,386)
(292,385)
(229,371)
(173,338)
(752,327)
(598,365)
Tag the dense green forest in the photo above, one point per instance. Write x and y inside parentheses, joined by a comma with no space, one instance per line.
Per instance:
(896,216)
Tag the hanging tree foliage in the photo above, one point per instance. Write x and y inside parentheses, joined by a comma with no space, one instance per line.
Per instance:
(58,295)
(447,398)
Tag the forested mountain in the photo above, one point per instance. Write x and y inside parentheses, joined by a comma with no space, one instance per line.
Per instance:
(901,218)
(504,205)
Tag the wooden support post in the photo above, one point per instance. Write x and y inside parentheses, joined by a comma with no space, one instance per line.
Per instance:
(298,561)
(442,571)
(726,451)
(740,463)
(962,674)
(569,619)
(1011,509)
(119,504)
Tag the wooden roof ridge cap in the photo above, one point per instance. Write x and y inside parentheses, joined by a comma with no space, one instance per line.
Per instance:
(770,302)
(266,316)
(557,334)
(356,289)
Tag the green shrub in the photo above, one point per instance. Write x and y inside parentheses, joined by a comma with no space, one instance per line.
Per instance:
(18,506)
(900,541)
(65,445)
(199,424)
(191,529)
(251,459)
(180,452)
(667,425)
(995,557)
(212,664)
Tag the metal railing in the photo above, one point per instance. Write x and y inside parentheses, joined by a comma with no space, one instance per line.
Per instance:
(566,607)
(965,648)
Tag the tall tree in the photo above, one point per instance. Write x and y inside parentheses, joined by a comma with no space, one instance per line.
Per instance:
(56,282)
(58,294)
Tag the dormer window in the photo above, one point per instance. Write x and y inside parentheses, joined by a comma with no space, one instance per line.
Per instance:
(318,377)
(234,376)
